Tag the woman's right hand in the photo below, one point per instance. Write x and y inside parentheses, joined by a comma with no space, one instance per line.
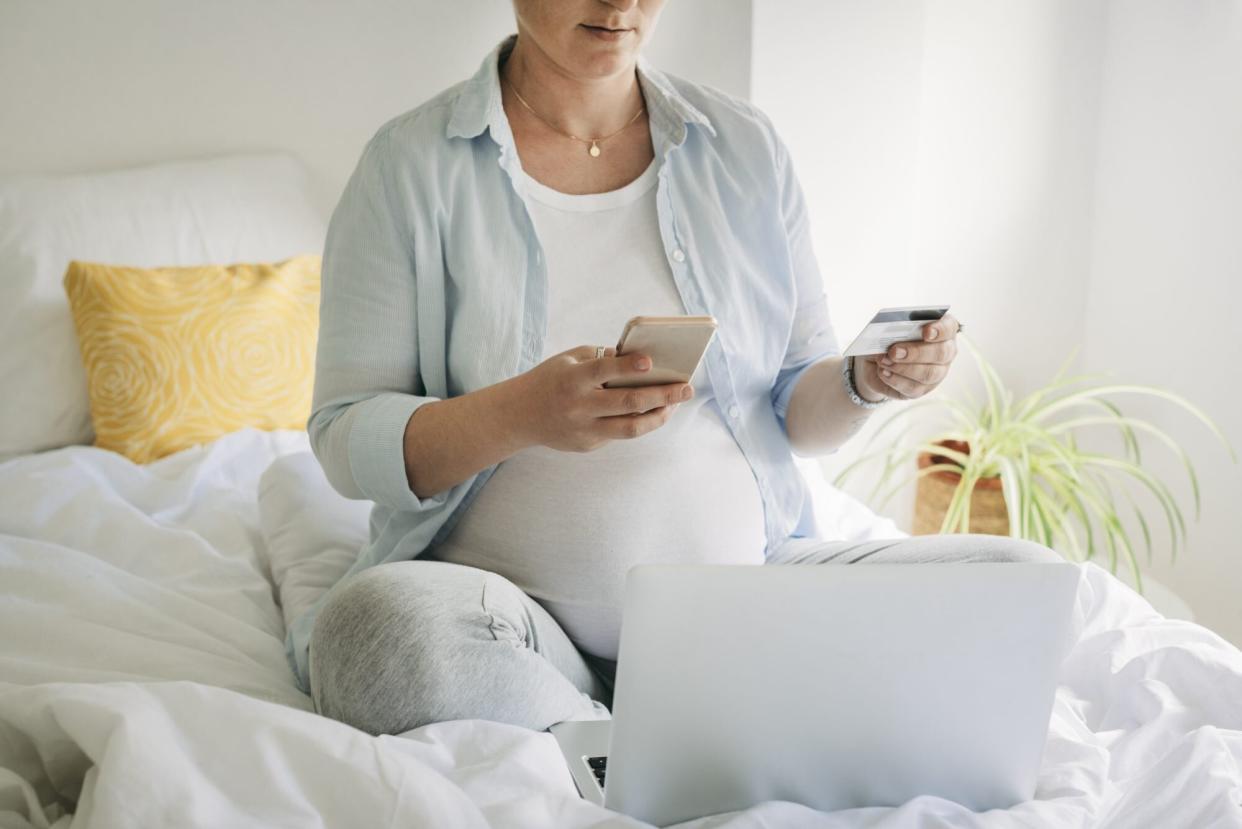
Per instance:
(563,405)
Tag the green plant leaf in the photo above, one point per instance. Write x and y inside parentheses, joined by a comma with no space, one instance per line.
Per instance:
(950,513)
(926,470)
(1148,428)
(992,385)
(1041,413)
(863,460)
(1051,486)
(1013,498)
(1127,432)
(1102,490)
(1172,513)
(1060,514)
(1064,487)
(1138,513)
(1032,400)
(900,415)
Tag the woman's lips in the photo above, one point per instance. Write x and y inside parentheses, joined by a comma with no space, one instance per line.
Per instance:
(606,34)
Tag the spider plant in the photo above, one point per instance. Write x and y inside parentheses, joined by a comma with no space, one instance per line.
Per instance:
(1055,492)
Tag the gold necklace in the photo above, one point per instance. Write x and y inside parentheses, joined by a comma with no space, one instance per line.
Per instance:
(594,149)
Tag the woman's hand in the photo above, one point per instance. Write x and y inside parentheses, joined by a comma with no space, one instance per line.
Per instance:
(910,369)
(562,403)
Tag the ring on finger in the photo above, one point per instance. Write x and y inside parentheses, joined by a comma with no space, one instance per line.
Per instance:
(599,351)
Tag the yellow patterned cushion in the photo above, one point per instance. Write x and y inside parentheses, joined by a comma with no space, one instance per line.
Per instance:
(180,356)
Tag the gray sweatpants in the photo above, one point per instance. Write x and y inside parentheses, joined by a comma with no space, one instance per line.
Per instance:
(415,642)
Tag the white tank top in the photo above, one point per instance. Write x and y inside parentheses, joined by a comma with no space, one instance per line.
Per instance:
(566,526)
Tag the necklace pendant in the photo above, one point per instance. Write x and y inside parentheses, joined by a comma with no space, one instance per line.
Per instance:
(594,151)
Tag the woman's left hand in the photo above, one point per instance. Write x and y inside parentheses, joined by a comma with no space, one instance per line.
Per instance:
(912,369)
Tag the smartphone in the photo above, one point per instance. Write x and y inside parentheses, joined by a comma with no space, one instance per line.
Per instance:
(675,345)
(894,325)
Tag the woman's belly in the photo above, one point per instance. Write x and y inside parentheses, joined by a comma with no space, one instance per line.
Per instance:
(566,527)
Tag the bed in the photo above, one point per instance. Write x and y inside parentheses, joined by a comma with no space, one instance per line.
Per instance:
(143,679)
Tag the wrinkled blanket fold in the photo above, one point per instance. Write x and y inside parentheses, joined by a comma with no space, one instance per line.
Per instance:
(143,683)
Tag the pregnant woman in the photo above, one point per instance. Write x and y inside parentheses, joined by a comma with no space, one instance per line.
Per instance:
(486,246)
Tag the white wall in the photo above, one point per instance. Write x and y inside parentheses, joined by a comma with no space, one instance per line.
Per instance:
(1064,173)
(1008,109)
(840,81)
(946,148)
(87,85)
(1166,278)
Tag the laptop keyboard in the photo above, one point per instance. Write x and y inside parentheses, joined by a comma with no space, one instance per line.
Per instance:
(598,766)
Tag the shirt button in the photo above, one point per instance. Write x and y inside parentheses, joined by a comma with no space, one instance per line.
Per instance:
(679,256)
(734,411)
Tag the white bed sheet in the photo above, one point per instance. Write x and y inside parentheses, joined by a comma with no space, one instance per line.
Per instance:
(143,683)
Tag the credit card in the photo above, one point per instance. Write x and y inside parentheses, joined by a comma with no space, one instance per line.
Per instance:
(894,325)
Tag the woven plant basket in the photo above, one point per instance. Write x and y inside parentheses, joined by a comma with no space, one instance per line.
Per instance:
(935,490)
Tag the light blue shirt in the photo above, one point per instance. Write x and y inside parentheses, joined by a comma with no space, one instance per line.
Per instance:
(434,285)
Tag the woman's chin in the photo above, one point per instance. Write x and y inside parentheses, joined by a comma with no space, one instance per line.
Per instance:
(603,63)
(593,45)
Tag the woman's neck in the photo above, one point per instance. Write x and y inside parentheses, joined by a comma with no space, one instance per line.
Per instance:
(585,107)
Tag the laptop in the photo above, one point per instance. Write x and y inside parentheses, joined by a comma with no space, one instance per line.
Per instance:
(835,686)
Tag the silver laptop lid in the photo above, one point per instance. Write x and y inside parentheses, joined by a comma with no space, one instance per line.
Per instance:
(835,686)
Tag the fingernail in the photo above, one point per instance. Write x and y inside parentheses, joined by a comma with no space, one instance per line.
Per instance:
(642,364)
(887,373)
(933,333)
(901,354)
(885,361)
(686,392)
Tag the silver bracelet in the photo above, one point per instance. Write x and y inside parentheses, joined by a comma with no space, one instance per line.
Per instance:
(847,377)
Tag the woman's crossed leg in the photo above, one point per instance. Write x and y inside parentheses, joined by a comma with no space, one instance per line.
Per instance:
(410,643)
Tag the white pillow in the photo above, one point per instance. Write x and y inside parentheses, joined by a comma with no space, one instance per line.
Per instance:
(313,533)
(256,207)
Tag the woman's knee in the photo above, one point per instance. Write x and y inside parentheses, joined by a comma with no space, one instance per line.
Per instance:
(386,647)
(1019,550)
(962,548)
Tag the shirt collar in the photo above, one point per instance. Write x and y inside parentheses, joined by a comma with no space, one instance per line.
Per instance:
(478,105)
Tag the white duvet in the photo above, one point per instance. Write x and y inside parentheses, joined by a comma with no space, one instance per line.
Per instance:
(143,683)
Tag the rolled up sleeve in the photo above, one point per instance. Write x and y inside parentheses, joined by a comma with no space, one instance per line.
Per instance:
(812,337)
(367,383)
